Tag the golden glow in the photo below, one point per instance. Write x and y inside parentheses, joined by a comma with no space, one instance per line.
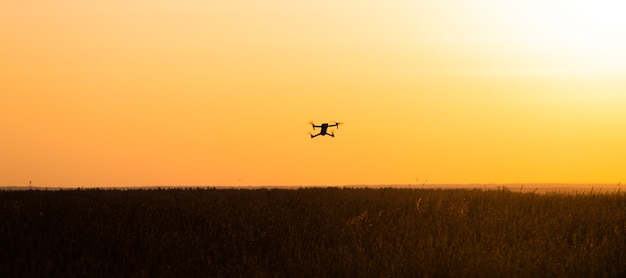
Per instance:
(580,38)
(141,92)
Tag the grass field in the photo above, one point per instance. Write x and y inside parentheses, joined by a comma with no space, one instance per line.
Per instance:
(314,232)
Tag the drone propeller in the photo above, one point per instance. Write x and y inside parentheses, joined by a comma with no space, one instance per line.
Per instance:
(338,123)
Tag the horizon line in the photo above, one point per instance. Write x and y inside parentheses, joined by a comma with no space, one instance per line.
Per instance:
(397,185)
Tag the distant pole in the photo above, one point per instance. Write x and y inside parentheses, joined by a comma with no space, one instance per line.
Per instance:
(30,185)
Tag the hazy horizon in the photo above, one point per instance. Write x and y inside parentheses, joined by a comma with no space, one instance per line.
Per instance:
(513,187)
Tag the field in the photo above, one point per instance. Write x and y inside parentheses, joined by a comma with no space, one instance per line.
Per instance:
(312,232)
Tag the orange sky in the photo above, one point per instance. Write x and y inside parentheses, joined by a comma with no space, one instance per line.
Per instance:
(141,93)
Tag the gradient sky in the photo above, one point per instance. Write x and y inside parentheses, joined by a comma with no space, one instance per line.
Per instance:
(220,92)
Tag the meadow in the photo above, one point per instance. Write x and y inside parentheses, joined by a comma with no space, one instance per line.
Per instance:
(311,232)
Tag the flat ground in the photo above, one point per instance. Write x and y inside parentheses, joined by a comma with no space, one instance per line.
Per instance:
(318,232)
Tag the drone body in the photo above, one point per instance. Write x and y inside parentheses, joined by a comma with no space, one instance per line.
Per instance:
(324,129)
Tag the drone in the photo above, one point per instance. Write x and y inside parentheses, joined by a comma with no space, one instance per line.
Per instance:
(324,128)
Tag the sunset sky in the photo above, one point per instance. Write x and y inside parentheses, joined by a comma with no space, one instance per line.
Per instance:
(220,92)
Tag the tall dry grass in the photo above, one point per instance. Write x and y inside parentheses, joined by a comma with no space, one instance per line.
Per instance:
(311,232)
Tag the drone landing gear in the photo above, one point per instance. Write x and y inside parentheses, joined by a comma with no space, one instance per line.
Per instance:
(329,134)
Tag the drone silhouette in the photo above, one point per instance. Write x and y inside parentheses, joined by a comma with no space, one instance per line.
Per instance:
(324,129)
